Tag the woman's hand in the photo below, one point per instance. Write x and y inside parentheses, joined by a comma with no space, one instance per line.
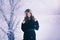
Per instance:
(35,19)
(23,22)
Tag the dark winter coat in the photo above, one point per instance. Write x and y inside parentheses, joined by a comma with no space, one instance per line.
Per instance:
(29,29)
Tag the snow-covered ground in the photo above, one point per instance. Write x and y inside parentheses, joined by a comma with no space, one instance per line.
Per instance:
(47,13)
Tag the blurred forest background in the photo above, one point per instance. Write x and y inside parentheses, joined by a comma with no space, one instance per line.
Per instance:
(47,12)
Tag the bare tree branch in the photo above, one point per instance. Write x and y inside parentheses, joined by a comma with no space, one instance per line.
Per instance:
(3,30)
(4,15)
(11,13)
(13,5)
(2,11)
(16,25)
(13,22)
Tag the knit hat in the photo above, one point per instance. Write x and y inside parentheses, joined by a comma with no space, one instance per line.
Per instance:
(27,10)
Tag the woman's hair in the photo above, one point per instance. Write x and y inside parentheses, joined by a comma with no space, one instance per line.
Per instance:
(26,17)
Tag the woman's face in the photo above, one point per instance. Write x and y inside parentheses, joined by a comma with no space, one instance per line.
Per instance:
(29,14)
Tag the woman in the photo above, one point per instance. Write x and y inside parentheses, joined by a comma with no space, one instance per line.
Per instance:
(29,25)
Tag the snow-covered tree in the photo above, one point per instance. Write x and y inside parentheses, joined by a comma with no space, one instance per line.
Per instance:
(10,22)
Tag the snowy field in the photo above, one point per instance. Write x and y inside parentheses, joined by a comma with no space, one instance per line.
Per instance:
(47,12)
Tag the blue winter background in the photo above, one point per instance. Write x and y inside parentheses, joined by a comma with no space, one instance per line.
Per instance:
(47,12)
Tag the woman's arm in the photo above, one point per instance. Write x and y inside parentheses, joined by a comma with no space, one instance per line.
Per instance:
(23,26)
(36,25)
